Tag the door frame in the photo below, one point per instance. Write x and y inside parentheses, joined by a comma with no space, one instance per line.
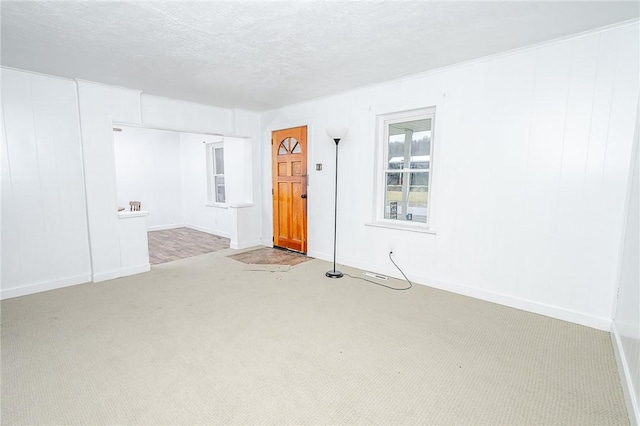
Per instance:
(268,176)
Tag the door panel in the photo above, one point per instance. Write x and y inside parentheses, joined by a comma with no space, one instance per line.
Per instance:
(284,210)
(296,168)
(282,169)
(289,174)
(297,233)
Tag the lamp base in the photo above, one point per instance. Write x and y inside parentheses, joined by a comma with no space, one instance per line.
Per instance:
(334,274)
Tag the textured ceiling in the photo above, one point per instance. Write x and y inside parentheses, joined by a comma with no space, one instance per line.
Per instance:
(264,54)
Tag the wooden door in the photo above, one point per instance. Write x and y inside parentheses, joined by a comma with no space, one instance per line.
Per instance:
(289,170)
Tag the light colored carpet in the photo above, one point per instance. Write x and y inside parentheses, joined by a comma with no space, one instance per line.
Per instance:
(202,341)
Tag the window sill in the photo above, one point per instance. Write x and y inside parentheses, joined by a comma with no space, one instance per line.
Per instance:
(401,227)
(217,205)
(130,214)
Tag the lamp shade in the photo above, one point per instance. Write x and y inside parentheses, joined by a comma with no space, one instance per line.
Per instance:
(337,132)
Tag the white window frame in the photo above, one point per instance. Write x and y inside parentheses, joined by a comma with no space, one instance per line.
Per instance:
(212,174)
(382,122)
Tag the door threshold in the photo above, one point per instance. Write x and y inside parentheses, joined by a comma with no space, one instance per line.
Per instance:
(288,250)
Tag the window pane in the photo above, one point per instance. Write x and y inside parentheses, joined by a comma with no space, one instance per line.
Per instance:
(282,150)
(219,154)
(407,164)
(414,153)
(289,146)
(395,151)
(406,196)
(219,189)
(394,179)
(420,180)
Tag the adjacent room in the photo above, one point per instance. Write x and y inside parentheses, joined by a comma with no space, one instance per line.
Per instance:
(165,176)
(346,212)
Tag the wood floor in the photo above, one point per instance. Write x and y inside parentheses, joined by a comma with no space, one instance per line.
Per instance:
(270,256)
(180,243)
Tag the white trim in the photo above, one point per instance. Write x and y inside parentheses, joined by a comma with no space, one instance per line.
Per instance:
(213,173)
(36,73)
(24,290)
(240,246)
(84,176)
(111,86)
(122,272)
(551,311)
(625,377)
(627,200)
(220,142)
(174,130)
(383,121)
(402,226)
(217,205)
(208,231)
(163,227)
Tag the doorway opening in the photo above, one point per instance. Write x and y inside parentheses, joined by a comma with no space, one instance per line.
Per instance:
(185,181)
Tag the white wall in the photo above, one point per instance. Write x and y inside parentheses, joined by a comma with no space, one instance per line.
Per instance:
(626,326)
(530,165)
(148,169)
(237,170)
(44,225)
(190,117)
(53,128)
(248,123)
(197,214)
(167,172)
(187,116)
(100,105)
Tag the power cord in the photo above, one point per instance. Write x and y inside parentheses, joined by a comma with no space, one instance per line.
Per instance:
(384,285)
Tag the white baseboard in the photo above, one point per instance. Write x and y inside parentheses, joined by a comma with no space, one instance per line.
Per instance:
(552,311)
(122,272)
(24,290)
(248,244)
(625,377)
(208,231)
(163,227)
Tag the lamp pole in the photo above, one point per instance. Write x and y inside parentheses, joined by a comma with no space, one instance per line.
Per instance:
(334,273)
(336,135)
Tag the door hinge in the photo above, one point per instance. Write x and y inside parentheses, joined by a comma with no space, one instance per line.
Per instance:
(273,239)
(272,191)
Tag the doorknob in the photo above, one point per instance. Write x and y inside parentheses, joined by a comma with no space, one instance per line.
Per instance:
(303,196)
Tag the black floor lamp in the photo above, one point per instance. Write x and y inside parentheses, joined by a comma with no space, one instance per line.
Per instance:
(336,133)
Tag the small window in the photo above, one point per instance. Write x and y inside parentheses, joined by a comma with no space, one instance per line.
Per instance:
(215,172)
(289,146)
(407,145)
